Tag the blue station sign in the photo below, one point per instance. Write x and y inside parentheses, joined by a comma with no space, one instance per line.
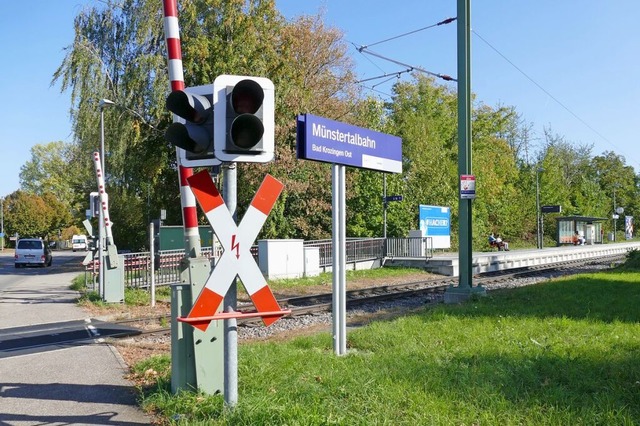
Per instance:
(321,139)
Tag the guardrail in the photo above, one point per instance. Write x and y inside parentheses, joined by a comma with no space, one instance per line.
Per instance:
(357,249)
(410,247)
(166,264)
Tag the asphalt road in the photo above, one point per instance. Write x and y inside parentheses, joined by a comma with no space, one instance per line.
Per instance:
(63,262)
(54,368)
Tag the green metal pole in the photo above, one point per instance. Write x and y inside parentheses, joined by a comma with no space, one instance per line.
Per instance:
(465,284)
(464,136)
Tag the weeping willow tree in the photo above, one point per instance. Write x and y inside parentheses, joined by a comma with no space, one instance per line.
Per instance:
(118,53)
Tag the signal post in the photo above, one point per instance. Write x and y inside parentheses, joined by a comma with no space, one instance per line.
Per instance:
(221,124)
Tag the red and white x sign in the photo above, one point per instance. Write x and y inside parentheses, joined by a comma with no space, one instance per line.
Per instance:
(236,260)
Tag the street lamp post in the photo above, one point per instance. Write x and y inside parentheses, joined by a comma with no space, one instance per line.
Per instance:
(2,223)
(103,103)
(613,216)
(538,215)
(101,231)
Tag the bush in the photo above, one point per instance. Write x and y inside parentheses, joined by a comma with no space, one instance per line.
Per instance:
(633,260)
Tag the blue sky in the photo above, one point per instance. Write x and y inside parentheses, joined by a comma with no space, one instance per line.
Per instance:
(584,55)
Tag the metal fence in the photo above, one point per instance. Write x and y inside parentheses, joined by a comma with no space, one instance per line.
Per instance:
(357,249)
(410,247)
(138,267)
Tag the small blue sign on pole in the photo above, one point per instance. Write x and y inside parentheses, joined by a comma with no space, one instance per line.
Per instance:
(321,139)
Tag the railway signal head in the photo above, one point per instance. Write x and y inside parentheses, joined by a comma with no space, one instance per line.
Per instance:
(193,130)
(94,204)
(244,119)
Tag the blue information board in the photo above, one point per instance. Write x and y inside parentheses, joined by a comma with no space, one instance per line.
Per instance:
(321,139)
(435,222)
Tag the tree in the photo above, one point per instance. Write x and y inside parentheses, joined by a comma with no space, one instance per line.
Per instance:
(58,215)
(500,206)
(48,171)
(615,179)
(118,53)
(567,179)
(313,74)
(423,114)
(51,170)
(365,207)
(26,215)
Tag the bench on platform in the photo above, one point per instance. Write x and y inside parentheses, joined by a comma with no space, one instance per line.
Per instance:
(498,245)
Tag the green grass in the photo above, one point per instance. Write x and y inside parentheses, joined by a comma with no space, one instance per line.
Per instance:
(77,283)
(326,278)
(560,353)
(132,296)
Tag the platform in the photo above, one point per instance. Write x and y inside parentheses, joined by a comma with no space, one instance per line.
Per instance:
(449,264)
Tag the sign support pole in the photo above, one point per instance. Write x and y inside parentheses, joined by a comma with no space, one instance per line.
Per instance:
(339,309)
(152,268)
(230,190)
(343,259)
(384,205)
(357,147)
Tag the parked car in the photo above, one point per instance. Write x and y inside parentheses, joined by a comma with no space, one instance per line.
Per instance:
(32,251)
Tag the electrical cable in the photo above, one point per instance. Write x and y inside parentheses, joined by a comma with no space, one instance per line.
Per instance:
(433,74)
(393,74)
(365,49)
(446,21)
(545,91)
(373,89)
(390,78)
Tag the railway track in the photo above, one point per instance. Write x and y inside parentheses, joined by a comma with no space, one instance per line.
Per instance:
(429,290)
(305,310)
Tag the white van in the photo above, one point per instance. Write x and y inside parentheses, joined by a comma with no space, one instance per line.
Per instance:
(32,251)
(79,242)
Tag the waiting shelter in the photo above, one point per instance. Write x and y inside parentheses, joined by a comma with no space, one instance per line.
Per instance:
(590,227)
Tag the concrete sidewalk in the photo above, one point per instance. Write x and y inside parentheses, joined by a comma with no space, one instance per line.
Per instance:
(73,384)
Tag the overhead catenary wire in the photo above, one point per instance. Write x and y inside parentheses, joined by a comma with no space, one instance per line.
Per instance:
(422,70)
(373,89)
(388,79)
(446,21)
(385,75)
(539,86)
(364,49)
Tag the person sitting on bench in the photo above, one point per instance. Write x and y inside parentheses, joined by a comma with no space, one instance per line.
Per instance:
(493,242)
(503,244)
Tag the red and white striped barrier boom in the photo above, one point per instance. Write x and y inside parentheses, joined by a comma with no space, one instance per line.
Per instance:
(104,198)
(176,79)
